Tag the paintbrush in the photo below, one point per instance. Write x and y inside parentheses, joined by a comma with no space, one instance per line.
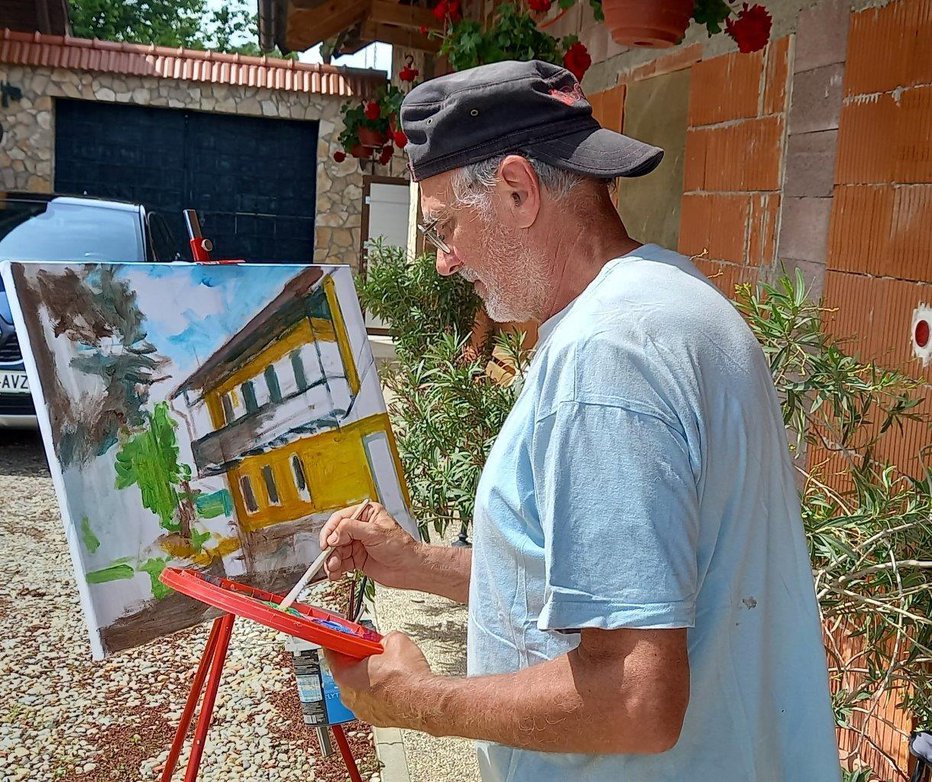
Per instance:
(316,565)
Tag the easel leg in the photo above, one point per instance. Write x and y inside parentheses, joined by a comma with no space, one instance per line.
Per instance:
(346,752)
(210,695)
(210,662)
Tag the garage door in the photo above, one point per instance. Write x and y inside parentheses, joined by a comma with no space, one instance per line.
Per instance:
(251,179)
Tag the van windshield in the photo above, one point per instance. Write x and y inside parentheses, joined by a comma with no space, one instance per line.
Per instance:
(56,231)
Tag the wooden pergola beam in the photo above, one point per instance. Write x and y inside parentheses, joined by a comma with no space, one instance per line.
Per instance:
(407,16)
(311,21)
(399,36)
(308,27)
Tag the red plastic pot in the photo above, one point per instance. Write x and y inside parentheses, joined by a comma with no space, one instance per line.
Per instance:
(657,24)
(371,138)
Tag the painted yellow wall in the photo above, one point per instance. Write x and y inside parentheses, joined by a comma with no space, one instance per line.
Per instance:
(305,332)
(302,333)
(346,350)
(335,465)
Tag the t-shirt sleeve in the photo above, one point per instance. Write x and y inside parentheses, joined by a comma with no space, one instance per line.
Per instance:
(618,505)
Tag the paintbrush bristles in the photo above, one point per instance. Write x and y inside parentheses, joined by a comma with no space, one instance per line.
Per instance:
(316,565)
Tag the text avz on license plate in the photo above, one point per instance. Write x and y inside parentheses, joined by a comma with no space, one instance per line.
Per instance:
(14,383)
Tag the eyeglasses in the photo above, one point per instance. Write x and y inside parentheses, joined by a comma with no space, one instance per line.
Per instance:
(430,234)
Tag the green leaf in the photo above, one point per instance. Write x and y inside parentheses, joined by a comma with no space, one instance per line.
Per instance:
(154,568)
(90,540)
(198,539)
(112,573)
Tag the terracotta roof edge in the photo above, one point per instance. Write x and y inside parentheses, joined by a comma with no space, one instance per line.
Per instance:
(194,54)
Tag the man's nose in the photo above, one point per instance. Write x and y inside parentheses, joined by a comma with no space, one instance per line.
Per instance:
(447,264)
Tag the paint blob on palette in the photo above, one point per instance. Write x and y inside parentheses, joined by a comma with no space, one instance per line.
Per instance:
(207,417)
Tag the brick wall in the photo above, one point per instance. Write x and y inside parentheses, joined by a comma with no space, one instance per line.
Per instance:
(879,260)
(734,162)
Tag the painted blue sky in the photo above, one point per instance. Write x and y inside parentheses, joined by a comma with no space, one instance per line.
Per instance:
(192,310)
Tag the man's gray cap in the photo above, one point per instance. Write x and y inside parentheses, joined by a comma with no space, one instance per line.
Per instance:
(533,108)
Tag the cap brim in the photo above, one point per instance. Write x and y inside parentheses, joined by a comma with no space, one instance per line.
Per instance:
(599,153)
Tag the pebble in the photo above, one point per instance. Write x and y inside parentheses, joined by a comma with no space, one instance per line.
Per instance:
(64,715)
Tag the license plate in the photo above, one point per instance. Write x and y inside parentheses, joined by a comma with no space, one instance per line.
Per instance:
(14,383)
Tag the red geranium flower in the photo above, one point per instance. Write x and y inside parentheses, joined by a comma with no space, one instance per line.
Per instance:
(372,110)
(751,30)
(541,6)
(386,155)
(448,9)
(400,139)
(577,60)
(423,29)
(339,156)
(408,73)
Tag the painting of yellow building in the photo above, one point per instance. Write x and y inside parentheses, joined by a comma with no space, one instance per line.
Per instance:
(295,421)
(204,416)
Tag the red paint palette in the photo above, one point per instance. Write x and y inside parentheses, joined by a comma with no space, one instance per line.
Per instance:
(316,625)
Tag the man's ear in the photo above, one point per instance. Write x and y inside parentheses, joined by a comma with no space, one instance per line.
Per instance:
(520,190)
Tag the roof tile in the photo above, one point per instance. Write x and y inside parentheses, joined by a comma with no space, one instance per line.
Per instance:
(56,51)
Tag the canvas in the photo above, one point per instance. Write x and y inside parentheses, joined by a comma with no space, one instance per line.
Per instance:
(207,416)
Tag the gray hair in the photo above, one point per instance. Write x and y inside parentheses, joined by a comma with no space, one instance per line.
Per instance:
(472,183)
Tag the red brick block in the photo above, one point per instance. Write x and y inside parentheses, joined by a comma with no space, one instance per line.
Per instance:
(613,108)
(883,231)
(860,228)
(725,88)
(596,99)
(745,156)
(714,226)
(874,315)
(911,239)
(867,141)
(694,160)
(914,135)
(762,228)
(776,76)
(607,107)
(889,47)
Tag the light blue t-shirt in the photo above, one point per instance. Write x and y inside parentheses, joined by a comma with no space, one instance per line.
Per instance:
(643,480)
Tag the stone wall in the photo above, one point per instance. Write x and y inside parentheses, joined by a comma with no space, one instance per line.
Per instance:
(28,143)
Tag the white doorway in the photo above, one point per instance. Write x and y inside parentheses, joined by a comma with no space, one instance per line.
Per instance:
(385,209)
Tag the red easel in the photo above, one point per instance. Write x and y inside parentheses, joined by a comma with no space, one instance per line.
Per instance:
(311,624)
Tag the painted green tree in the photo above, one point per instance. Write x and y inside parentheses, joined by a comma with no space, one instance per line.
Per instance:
(148,458)
(97,311)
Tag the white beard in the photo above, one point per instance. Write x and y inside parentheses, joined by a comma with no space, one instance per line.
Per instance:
(521,293)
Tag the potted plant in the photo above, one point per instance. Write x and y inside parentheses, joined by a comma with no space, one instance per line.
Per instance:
(663,23)
(511,34)
(371,127)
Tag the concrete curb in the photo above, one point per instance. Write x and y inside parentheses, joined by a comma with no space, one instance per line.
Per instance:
(390,748)
(389,743)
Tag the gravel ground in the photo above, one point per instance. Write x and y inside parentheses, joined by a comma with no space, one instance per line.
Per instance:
(439,627)
(64,717)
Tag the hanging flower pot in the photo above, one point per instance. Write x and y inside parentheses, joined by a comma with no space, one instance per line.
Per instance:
(653,23)
(359,151)
(370,137)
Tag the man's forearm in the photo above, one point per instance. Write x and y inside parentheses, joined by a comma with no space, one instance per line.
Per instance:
(569,704)
(441,570)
